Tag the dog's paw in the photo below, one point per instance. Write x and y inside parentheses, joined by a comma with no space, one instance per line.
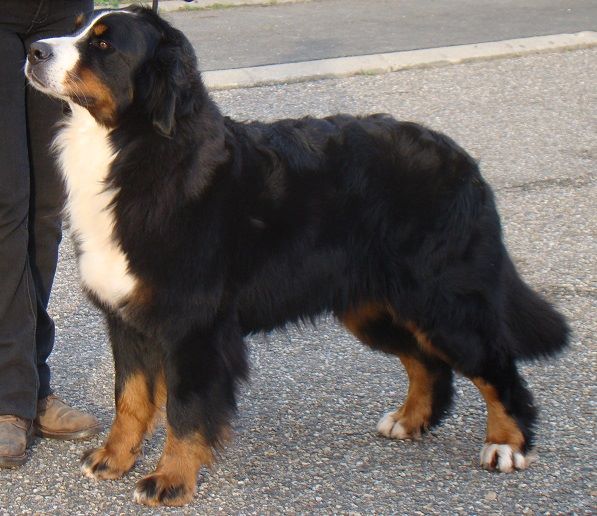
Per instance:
(100,464)
(503,457)
(391,427)
(161,489)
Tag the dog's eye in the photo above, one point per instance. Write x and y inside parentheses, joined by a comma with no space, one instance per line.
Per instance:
(101,44)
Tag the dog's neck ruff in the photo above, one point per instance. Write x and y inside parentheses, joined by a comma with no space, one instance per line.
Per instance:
(85,157)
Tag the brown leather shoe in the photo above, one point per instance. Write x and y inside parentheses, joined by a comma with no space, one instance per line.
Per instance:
(56,420)
(16,434)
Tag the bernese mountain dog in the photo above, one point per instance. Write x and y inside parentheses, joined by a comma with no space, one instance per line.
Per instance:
(194,230)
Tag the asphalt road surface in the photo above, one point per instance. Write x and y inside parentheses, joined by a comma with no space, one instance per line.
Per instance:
(251,36)
(305,436)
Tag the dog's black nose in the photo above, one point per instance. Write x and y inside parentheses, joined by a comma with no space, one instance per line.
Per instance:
(39,51)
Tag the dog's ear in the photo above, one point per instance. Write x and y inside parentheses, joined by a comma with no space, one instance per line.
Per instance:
(165,75)
(165,93)
(166,80)
(163,116)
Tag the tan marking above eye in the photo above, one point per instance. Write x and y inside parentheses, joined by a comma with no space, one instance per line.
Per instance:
(99,29)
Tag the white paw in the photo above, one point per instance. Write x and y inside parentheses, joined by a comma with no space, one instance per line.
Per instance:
(502,457)
(88,471)
(389,426)
(139,497)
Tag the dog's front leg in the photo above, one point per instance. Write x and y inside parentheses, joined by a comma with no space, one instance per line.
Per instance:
(140,392)
(202,372)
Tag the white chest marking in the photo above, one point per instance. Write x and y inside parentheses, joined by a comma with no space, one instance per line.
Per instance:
(85,156)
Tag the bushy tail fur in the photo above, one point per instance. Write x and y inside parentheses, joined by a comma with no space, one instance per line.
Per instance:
(535,329)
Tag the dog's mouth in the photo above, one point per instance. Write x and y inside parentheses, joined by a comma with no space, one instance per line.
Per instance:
(40,81)
(69,92)
(33,78)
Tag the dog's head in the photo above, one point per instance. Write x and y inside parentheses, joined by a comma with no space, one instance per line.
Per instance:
(117,59)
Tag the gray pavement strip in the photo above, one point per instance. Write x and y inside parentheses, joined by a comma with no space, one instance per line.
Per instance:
(305,434)
(298,32)
(394,61)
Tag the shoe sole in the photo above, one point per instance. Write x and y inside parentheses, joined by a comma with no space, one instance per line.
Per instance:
(13,462)
(69,436)
(8,462)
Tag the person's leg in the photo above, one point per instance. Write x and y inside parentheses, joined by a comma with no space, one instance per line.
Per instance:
(30,204)
(54,418)
(47,195)
(45,228)
(18,372)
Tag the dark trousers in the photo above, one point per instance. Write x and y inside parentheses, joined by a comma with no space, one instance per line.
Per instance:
(31,198)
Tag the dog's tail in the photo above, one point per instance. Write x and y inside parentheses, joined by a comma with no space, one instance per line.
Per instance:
(534,329)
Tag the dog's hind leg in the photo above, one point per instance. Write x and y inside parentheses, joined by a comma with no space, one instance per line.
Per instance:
(139,394)
(511,416)
(429,396)
(427,402)
(202,372)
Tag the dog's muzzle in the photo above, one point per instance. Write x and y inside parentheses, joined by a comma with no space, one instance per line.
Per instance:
(39,55)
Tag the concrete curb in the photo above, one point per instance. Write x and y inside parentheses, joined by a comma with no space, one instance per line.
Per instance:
(166,6)
(394,61)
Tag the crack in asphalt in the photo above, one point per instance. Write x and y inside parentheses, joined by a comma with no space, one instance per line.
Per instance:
(563,291)
(545,184)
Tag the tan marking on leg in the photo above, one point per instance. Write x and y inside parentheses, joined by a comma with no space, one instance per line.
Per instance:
(135,412)
(501,427)
(413,417)
(425,343)
(136,409)
(416,411)
(356,318)
(174,481)
(185,454)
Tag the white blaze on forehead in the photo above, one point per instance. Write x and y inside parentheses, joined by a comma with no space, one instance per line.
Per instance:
(92,23)
(66,55)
